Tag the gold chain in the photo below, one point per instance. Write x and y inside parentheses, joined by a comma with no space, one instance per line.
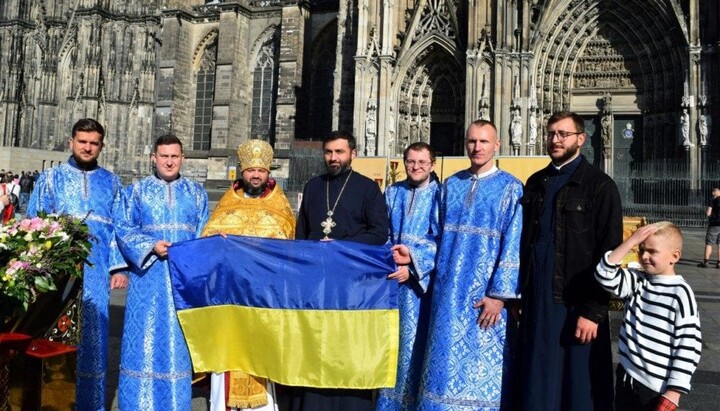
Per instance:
(328,224)
(337,200)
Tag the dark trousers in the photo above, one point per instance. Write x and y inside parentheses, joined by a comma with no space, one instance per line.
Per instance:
(630,395)
(323,399)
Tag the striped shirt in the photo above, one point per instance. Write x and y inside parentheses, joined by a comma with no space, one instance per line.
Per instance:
(660,339)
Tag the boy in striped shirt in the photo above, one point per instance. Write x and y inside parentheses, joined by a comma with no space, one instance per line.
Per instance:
(660,338)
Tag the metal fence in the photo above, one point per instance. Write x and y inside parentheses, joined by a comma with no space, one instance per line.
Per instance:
(665,191)
(305,163)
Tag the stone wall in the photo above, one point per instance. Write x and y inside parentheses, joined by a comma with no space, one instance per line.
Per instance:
(27,159)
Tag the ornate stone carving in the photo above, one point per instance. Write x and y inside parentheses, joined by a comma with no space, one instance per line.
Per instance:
(685,128)
(484,104)
(704,128)
(606,124)
(202,49)
(532,119)
(435,18)
(516,130)
(371,125)
(516,118)
(605,63)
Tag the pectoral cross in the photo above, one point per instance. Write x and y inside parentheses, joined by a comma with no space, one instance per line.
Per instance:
(328,225)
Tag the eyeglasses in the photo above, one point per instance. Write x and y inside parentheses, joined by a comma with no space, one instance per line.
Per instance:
(562,135)
(421,163)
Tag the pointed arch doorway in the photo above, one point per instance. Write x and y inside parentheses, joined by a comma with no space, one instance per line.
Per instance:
(432,102)
(446,124)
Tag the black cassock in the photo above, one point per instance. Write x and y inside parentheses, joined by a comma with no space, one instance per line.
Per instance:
(360,216)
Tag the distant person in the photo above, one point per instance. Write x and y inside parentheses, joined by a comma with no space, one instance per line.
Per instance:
(9,193)
(26,186)
(9,196)
(660,339)
(713,232)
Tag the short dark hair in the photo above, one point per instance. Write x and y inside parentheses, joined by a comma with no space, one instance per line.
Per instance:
(420,146)
(562,115)
(481,123)
(89,125)
(167,140)
(341,135)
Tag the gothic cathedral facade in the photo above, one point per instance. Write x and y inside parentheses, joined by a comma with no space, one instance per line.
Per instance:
(643,73)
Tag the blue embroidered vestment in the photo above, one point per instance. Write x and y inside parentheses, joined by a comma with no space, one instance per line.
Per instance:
(465,366)
(67,189)
(413,214)
(155,367)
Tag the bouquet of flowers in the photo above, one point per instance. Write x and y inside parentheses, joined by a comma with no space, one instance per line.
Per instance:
(34,253)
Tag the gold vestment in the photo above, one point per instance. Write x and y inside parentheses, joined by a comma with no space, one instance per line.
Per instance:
(268,216)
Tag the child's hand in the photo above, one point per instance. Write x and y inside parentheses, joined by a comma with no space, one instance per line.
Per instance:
(641,234)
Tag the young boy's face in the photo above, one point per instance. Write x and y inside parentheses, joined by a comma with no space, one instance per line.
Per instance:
(658,255)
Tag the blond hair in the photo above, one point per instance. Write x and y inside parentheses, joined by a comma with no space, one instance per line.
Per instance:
(671,232)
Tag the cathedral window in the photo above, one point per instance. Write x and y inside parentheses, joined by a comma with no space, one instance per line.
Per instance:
(264,85)
(204,96)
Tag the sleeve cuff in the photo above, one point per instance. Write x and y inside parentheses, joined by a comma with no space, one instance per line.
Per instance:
(607,263)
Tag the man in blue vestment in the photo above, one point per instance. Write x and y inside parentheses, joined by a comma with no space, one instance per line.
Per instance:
(341,205)
(164,208)
(413,208)
(82,188)
(572,217)
(469,345)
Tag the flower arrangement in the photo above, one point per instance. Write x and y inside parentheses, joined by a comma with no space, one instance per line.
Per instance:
(34,253)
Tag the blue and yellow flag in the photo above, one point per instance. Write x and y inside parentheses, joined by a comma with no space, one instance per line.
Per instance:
(303,313)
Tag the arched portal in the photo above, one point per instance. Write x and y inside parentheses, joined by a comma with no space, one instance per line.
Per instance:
(616,61)
(431,102)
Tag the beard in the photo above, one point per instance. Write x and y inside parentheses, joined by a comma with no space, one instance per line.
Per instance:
(85,165)
(566,155)
(335,170)
(249,189)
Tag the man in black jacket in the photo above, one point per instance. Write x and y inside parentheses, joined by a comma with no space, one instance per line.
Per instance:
(26,187)
(572,215)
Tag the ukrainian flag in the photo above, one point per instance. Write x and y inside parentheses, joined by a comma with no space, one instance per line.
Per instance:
(303,313)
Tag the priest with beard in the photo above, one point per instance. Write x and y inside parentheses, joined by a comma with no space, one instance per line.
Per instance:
(341,205)
(572,216)
(254,206)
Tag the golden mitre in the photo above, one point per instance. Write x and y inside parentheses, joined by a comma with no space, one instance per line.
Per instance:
(255,154)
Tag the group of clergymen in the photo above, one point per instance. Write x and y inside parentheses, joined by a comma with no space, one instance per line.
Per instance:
(477,255)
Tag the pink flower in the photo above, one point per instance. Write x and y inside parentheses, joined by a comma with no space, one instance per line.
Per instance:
(54,227)
(37,224)
(16,264)
(24,224)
